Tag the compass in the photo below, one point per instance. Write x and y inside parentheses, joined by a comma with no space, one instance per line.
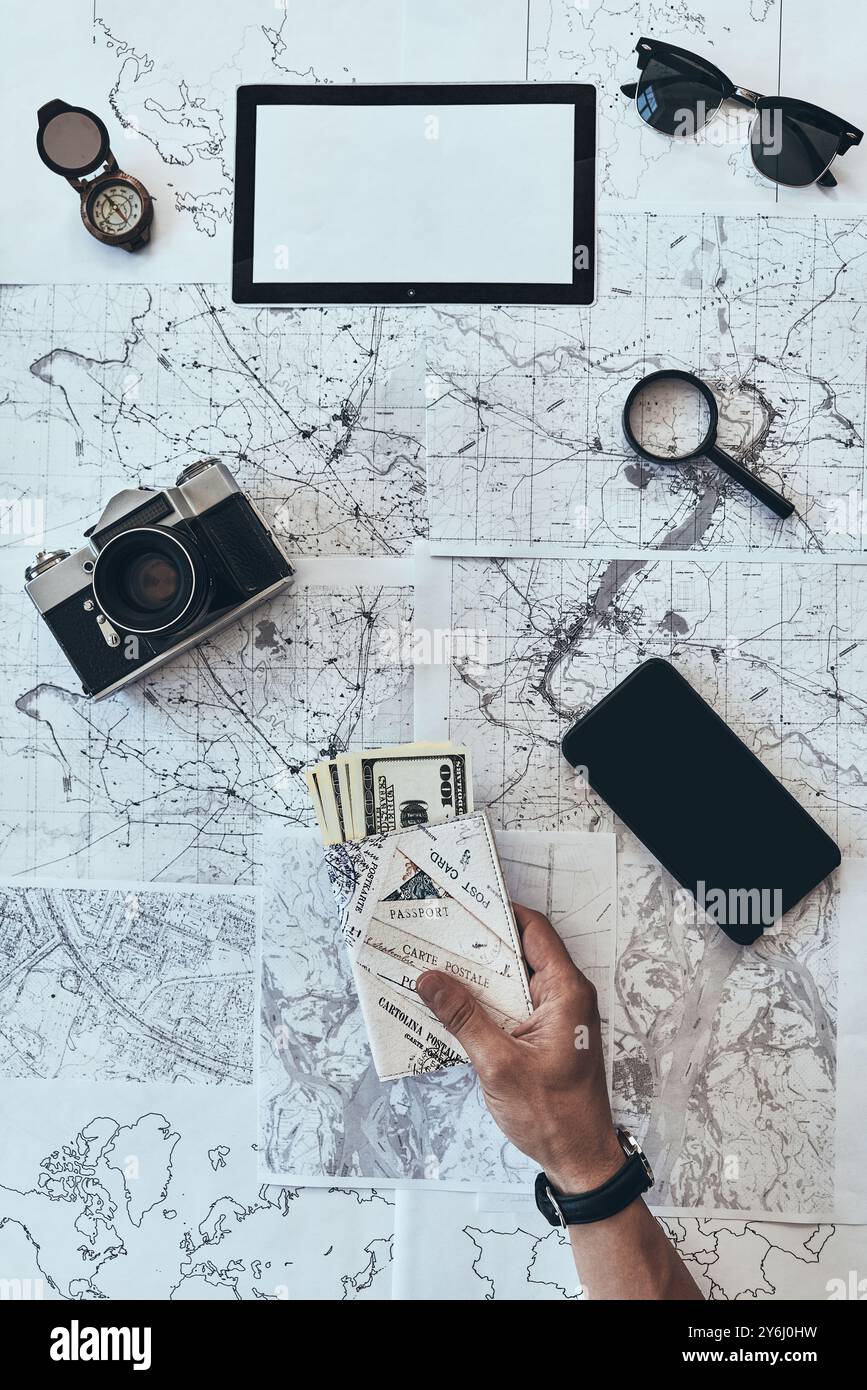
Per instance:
(115,207)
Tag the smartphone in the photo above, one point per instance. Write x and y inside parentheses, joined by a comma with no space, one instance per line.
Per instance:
(704,805)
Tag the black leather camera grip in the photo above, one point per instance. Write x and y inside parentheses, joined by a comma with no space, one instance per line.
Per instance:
(245,547)
(97,664)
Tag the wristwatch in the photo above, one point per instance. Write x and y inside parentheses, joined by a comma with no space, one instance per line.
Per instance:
(579,1209)
(73,142)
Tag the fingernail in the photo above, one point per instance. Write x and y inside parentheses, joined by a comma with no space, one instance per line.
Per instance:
(429,986)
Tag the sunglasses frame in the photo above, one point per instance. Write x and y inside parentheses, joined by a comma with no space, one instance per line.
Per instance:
(847,135)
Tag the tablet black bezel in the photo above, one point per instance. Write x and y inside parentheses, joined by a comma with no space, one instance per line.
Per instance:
(581,96)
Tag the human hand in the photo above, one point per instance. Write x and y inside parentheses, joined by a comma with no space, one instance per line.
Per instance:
(545,1083)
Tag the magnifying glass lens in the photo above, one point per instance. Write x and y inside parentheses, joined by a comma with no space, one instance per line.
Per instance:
(670,419)
(72,140)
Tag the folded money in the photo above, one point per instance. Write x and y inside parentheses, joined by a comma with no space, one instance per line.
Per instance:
(384,789)
(429,898)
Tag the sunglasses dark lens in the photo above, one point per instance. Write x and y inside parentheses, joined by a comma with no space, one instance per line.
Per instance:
(677,95)
(793,145)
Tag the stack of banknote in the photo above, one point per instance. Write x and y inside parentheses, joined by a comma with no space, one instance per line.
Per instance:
(372,793)
(419,886)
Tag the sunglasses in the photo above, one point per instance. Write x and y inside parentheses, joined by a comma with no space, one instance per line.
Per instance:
(791,141)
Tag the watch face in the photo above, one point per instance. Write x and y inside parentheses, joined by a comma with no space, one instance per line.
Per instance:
(116,208)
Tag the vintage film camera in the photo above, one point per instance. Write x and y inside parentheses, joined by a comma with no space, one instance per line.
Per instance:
(161,571)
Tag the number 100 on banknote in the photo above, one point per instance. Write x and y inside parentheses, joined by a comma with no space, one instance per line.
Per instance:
(378,790)
(402,791)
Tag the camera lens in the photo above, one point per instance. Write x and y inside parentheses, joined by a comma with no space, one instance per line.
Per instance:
(152,581)
(149,580)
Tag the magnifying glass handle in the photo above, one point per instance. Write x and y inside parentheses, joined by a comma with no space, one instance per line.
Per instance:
(771,498)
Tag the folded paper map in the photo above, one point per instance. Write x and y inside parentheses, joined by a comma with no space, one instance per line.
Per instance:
(431,898)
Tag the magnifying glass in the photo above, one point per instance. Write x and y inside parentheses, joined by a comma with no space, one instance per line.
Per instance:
(672,417)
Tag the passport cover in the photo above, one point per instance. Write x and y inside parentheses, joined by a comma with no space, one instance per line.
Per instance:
(432,898)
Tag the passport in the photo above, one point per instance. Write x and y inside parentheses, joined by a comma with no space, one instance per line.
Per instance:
(430,898)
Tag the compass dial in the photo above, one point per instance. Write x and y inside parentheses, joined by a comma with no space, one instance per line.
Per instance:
(116,208)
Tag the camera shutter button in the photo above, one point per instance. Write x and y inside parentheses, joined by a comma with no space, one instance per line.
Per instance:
(192,470)
(45,560)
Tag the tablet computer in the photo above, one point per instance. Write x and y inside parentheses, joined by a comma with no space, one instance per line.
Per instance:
(415,194)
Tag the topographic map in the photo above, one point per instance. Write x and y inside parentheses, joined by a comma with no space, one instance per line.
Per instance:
(725,1062)
(134,1182)
(174,778)
(179,776)
(105,390)
(776,649)
(319,412)
(127,984)
(133,1190)
(324,1113)
(525,447)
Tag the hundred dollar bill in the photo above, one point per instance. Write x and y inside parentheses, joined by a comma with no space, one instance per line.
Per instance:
(326,803)
(398,788)
(358,794)
(316,798)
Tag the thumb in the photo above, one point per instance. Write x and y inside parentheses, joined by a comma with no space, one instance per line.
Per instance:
(464,1017)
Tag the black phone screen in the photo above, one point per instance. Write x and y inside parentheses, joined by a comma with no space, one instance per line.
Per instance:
(700,800)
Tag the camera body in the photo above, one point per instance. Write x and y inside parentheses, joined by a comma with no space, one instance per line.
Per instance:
(162,570)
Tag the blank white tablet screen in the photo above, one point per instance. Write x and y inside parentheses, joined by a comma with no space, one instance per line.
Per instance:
(406,194)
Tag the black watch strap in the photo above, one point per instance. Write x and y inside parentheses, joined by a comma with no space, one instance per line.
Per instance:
(579,1209)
